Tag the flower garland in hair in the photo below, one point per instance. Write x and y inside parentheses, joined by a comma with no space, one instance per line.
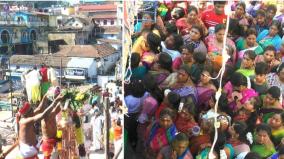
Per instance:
(249,137)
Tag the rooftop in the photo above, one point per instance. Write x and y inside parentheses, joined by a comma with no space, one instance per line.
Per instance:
(97,8)
(53,60)
(104,16)
(87,51)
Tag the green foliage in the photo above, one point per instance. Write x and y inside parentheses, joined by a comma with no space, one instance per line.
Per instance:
(77,98)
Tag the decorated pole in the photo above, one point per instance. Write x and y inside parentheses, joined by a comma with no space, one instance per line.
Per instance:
(106,125)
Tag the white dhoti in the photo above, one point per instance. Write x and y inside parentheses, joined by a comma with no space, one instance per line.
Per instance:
(97,124)
(27,150)
(117,146)
(97,141)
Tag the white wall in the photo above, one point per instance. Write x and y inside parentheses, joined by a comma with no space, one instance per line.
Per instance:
(101,22)
(92,71)
(102,80)
(111,60)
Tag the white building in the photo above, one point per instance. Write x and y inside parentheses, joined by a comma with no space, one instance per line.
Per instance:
(103,15)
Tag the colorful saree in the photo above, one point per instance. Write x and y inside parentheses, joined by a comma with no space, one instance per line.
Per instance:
(268,113)
(264,40)
(215,52)
(277,135)
(184,125)
(228,149)
(241,47)
(263,151)
(246,72)
(160,137)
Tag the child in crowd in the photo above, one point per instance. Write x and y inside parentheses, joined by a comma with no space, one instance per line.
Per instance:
(197,67)
(259,82)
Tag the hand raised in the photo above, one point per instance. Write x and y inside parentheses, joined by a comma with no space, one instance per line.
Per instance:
(59,97)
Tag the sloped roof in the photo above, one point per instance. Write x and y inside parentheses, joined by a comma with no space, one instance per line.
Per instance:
(51,60)
(93,7)
(88,51)
(104,16)
(81,19)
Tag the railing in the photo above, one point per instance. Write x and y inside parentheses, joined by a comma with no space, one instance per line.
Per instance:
(22,23)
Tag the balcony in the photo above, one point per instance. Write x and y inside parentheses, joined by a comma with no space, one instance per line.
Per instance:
(23,23)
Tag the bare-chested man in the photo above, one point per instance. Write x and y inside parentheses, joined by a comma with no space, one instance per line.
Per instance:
(27,137)
(49,130)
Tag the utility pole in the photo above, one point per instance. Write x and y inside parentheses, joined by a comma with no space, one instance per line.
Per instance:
(106,125)
(10,80)
(60,71)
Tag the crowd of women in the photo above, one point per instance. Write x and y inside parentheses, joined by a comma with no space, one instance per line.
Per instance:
(177,52)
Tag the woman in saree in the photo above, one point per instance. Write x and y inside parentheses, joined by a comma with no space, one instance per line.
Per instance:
(214,44)
(271,103)
(192,18)
(240,15)
(222,148)
(185,87)
(186,57)
(277,78)
(263,144)
(269,57)
(202,140)
(248,43)
(240,138)
(185,120)
(148,57)
(162,67)
(276,123)
(195,37)
(271,36)
(160,133)
(178,149)
(205,90)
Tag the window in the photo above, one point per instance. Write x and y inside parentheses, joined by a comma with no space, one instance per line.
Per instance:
(105,22)
(112,22)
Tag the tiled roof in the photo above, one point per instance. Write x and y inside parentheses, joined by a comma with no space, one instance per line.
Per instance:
(104,16)
(52,60)
(105,7)
(88,51)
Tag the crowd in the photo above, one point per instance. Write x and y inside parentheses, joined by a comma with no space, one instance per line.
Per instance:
(176,55)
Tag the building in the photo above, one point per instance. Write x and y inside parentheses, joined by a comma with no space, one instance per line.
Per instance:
(74,31)
(76,63)
(103,15)
(104,55)
(20,32)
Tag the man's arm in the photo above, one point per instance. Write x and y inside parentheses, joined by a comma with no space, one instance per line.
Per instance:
(57,109)
(41,105)
(44,113)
